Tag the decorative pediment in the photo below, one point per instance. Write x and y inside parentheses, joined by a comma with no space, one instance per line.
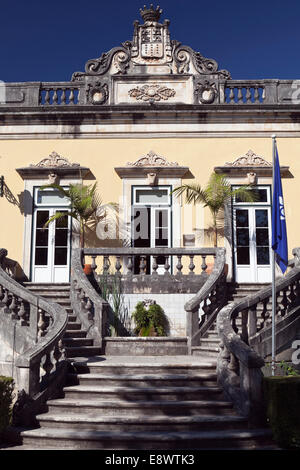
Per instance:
(151,166)
(250,166)
(152,160)
(249,159)
(53,167)
(54,160)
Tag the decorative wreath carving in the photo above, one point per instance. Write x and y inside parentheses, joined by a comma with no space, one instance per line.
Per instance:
(97,93)
(152,92)
(207,92)
(250,159)
(152,159)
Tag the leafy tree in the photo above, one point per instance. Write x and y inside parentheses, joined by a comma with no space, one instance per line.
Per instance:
(215,195)
(85,206)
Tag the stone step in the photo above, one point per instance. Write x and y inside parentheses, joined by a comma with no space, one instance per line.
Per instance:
(77,342)
(136,394)
(114,440)
(140,408)
(74,325)
(147,365)
(158,380)
(74,333)
(205,351)
(82,351)
(145,423)
(138,346)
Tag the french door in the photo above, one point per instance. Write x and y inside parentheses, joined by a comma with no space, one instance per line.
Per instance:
(252,241)
(50,244)
(151,223)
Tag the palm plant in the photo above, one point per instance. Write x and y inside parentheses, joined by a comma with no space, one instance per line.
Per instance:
(214,196)
(85,204)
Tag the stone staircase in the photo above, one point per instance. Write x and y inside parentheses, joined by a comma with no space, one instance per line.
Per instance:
(136,402)
(209,344)
(75,339)
(143,403)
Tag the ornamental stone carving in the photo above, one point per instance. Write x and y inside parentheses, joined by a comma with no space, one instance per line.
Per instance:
(151,93)
(54,160)
(206,91)
(249,159)
(152,159)
(97,93)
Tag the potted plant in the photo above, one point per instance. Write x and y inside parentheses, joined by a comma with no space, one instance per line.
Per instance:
(85,208)
(150,319)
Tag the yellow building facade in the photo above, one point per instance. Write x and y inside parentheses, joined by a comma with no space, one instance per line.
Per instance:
(142,119)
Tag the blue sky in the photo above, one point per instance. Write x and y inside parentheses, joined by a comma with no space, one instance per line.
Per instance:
(48,41)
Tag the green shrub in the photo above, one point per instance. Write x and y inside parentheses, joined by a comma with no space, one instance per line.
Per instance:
(6,397)
(151,321)
(282,401)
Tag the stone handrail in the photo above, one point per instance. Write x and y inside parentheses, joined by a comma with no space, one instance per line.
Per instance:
(242,331)
(86,301)
(33,329)
(207,302)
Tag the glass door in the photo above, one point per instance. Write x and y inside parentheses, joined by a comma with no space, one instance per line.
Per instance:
(252,239)
(151,223)
(51,243)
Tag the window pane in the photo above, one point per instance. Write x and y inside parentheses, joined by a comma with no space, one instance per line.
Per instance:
(141,227)
(61,237)
(60,256)
(261,218)
(158,196)
(263,255)
(242,218)
(262,237)
(243,255)
(41,237)
(261,195)
(62,222)
(41,218)
(41,257)
(242,237)
(51,197)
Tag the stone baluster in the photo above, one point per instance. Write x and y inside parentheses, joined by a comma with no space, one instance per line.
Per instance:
(154,266)
(118,265)
(88,308)
(63,96)
(203,265)
(55,96)
(13,307)
(248,95)
(143,264)
(47,364)
(179,266)
(256,94)
(22,313)
(240,94)
(231,94)
(41,323)
(71,96)
(167,266)
(252,321)
(130,266)
(106,264)
(47,96)
(191,265)
(94,265)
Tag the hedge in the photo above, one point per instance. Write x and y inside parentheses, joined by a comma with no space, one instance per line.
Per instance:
(6,397)
(282,402)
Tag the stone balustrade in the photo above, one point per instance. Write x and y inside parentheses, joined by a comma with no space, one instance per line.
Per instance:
(59,94)
(31,331)
(246,338)
(67,94)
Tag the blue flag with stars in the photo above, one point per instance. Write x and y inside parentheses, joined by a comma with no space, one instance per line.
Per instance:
(279,236)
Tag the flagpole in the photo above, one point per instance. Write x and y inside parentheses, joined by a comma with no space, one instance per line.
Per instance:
(273,364)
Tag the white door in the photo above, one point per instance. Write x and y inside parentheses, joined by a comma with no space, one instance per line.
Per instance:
(252,242)
(151,223)
(51,244)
